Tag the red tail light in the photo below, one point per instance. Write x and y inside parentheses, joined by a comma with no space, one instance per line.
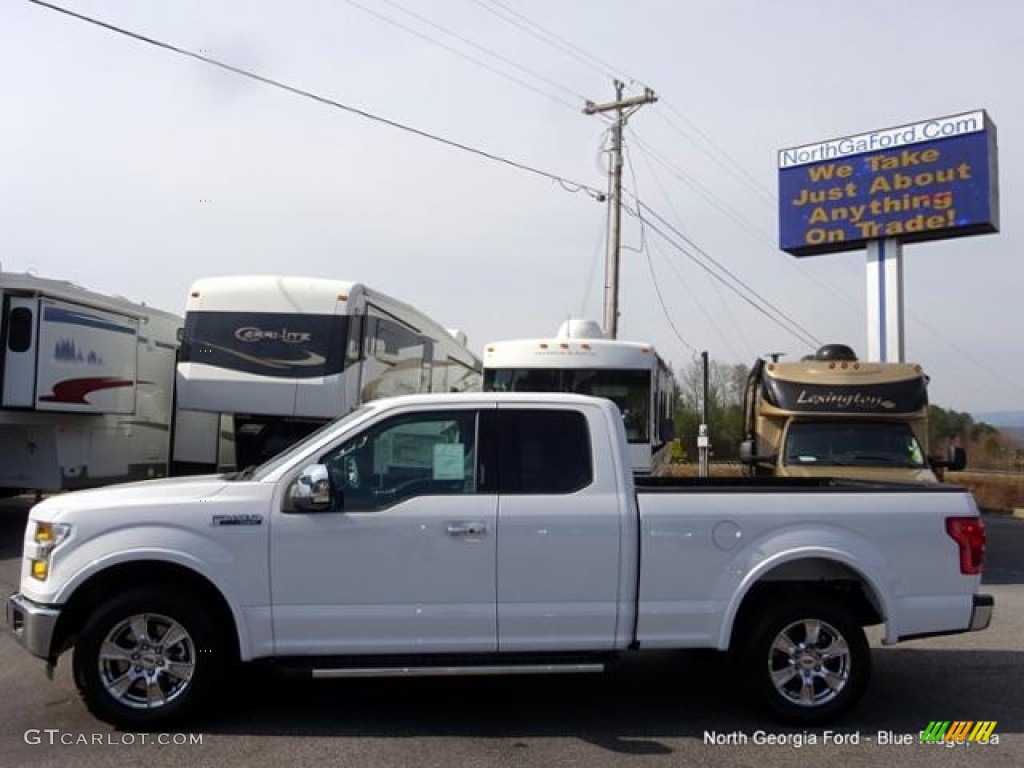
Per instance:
(969,534)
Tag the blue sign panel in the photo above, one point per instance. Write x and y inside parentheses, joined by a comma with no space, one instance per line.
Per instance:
(900,183)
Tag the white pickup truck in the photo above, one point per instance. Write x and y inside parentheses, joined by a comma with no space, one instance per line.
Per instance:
(485,533)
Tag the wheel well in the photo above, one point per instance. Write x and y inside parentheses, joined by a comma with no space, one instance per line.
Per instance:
(150,573)
(802,579)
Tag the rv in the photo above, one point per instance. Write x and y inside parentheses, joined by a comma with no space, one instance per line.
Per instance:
(285,354)
(580,359)
(831,414)
(86,384)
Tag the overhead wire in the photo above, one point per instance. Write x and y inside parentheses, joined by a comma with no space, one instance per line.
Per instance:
(465,56)
(719,156)
(565,183)
(650,265)
(726,277)
(559,43)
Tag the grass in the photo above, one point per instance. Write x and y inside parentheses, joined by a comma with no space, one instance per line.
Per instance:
(993,492)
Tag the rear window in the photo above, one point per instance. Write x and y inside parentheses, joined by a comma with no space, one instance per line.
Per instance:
(543,451)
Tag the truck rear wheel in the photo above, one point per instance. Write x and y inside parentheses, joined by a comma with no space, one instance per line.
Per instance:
(808,662)
(147,658)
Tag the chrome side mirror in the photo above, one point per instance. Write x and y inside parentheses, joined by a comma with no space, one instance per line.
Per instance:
(311,490)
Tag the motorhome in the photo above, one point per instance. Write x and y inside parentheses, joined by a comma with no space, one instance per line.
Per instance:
(87,384)
(285,354)
(581,359)
(832,414)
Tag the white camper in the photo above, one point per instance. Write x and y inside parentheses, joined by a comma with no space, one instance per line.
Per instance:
(285,354)
(87,385)
(580,359)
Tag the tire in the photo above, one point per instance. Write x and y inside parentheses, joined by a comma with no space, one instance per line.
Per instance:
(807,662)
(127,674)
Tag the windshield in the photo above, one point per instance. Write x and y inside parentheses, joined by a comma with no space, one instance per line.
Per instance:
(629,390)
(264,469)
(282,345)
(844,444)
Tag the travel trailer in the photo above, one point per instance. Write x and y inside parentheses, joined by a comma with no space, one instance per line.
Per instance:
(285,354)
(87,386)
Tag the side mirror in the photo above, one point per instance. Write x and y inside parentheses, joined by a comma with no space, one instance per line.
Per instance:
(311,490)
(956,458)
(747,455)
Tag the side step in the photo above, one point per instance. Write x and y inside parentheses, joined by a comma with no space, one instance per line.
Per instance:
(459,670)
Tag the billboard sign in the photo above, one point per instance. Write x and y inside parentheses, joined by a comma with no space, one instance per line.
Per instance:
(926,181)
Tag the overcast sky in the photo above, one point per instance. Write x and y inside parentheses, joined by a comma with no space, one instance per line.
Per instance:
(135,170)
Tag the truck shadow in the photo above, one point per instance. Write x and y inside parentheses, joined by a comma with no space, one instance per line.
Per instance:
(636,709)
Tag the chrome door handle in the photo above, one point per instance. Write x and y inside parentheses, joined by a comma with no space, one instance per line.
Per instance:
(467,529)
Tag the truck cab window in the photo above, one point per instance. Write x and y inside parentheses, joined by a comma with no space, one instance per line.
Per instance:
(406,456)
(543,451)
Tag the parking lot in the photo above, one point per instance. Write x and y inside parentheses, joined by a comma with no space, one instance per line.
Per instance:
(678,710)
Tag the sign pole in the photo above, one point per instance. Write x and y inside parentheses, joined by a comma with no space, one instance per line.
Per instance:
(885,301)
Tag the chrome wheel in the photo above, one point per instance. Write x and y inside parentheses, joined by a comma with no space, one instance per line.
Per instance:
(146,661)
(809,663)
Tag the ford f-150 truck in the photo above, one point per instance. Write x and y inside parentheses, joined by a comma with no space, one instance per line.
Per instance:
(485,533)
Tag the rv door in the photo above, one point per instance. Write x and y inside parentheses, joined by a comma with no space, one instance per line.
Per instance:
(20,327)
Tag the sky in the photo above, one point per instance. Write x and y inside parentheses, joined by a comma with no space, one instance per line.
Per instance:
(134,170)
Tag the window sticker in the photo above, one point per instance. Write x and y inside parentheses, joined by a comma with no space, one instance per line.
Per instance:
(449,461)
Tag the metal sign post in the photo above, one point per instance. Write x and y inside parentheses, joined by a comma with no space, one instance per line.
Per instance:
(885,301)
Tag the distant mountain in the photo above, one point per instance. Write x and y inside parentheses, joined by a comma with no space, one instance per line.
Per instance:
(1001,418)
(1014,434)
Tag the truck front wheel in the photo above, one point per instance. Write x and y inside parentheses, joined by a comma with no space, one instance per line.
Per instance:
(808,662)
(147,658)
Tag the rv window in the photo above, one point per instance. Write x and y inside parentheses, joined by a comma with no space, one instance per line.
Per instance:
(19,335)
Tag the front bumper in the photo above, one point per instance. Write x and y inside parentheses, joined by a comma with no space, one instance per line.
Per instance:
(32,625)
(981,612)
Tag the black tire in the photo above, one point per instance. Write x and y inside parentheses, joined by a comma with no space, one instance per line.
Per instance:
(808,662)
(146,683)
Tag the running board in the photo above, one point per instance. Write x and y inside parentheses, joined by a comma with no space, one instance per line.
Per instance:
(449,671)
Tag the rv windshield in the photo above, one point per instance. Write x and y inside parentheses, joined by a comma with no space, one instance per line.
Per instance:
(846,444)
(281,345)
(628,389)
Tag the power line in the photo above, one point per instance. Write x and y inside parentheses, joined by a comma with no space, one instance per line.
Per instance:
(650,266)
(761,304)
(738,218)
(465,56)
(723,159)
(559,43)
(567,184)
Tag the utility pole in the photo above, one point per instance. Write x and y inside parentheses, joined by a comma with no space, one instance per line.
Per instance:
(703,438)
(622,108)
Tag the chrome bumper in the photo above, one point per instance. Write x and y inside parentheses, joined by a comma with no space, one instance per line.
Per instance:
(32,625)
(981,613)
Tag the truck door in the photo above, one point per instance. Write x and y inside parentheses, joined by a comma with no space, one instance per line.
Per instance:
(559,533)
(20,328)
(404,561)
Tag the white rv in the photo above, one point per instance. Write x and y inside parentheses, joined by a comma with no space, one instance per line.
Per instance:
(87,386)
(580,359)
(285,354)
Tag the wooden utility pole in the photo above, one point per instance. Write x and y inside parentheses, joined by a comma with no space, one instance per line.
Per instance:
(622,108)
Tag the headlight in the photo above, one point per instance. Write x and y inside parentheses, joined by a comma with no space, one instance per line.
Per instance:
(46,537)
